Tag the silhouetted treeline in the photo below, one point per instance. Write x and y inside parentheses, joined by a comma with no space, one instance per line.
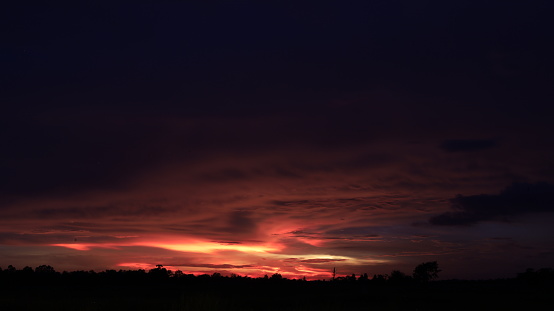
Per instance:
(423,273)
(163,289)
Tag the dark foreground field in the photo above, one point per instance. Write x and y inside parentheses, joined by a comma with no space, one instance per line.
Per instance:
(144,292)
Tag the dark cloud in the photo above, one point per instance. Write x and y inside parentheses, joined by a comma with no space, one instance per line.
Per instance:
(313,260)
(356,231)
(62,154)
(241,222)
(363,203)
(321,260)
(345,234)
(466,145)
(228,242)
(96,212)
(517,199)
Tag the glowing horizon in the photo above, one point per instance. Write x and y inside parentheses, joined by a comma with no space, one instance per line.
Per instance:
(246,259)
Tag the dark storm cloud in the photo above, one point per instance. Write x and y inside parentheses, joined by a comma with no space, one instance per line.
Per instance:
(198,60)
(517,199)
(366,232)
(68,153)
(463,145)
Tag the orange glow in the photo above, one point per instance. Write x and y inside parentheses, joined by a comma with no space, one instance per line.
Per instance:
(87,246)
(136,265)
(187,244)
(252,259)
(209,247)
(79,247)
(313,271)
(194,246)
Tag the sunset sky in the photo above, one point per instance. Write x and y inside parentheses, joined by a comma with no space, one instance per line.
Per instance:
(261,137)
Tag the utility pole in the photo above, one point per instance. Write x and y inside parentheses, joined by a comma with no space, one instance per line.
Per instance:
(334,273)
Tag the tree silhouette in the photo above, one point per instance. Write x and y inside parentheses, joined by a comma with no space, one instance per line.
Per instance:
(363,277)
(160,272)
(379,278)
(45,269)
(178,274)
(276,276)
(426,271)
(398,277)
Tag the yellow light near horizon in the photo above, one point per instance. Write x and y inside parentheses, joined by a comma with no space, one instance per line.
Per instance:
(87,246)
(79,247)
(209,247)
(181,245)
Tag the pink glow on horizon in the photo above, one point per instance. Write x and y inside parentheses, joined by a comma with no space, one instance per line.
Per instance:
(136,265)
(312,241)
(298,272)
(86,246)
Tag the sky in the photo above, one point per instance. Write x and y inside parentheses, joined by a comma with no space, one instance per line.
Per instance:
(278,137)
